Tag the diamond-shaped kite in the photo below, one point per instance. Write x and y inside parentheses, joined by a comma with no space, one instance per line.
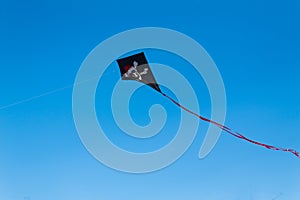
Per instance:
(136,67)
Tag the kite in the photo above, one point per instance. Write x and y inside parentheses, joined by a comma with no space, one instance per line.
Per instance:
(136,67)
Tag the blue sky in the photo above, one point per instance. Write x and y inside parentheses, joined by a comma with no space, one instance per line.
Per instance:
(256,46)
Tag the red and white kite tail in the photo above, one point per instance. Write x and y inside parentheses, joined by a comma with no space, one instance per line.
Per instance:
(230,131)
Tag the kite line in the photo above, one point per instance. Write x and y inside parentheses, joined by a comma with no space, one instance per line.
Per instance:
(52,91)
(230,131)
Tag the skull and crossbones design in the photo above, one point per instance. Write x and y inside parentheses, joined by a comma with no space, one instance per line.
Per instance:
(134,73)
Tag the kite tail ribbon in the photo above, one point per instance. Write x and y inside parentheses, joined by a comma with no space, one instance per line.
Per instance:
(230,131)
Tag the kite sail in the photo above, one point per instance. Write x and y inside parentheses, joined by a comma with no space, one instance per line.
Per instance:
(136,67)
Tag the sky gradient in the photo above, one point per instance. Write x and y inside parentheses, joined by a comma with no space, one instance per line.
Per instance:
(256,47)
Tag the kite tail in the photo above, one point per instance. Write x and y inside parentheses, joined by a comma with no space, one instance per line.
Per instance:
(230,131)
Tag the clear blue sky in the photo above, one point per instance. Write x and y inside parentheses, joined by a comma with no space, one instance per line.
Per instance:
(256,46)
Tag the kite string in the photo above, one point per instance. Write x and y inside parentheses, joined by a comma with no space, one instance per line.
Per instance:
(52,91)
(230,131)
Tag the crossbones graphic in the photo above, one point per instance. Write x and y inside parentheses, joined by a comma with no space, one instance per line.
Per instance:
(133,72)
